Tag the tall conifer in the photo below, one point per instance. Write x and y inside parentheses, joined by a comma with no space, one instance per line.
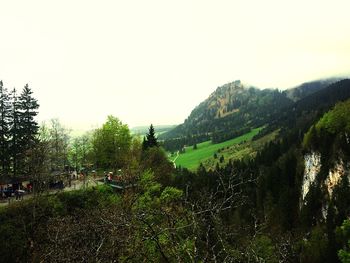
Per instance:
(5,112)
(29,127)
(151,139)
(15,133)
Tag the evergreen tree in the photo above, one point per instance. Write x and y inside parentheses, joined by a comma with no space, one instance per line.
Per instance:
(23,128)
(150,140)
(5,110)
(28,126)
(15,133)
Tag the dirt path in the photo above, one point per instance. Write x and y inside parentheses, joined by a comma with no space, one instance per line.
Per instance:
(177,155)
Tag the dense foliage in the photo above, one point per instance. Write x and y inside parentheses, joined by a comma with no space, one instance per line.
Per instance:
(111,144)
(334,123)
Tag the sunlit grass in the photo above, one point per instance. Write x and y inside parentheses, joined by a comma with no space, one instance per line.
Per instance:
(192,158)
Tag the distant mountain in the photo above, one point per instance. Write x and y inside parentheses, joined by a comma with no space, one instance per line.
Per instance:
(232,107)
(315,104)
(141,130)
(235,108)
(308,88)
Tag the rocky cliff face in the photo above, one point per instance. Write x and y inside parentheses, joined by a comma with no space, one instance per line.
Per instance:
(312,162)
(335,175)
(312,168)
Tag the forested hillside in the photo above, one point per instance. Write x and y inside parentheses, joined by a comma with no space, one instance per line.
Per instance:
(308,88)
(296,189)
(234,109)
(231,108)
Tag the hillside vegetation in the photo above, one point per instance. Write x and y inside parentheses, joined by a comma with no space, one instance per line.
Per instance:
(246,149)
(232,107)
(235,108)
(333,127)
(191,158)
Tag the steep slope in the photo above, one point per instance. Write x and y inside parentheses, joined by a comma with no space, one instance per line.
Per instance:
(297,117)
(300,181)
(307,170)
(308,109)
(231,108)
(308,88)
(329,141)
(234,109)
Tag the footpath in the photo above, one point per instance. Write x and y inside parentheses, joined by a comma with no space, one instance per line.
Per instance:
(75,185)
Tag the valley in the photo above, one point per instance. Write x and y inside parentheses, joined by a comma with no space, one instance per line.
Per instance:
(251,175)
(175,131)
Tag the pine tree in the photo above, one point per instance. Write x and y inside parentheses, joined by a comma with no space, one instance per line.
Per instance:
(5,109)
(29,127)
(150,140)
(18,129)
(15,133)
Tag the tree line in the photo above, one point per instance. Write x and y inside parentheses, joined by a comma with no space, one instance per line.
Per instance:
(18,130)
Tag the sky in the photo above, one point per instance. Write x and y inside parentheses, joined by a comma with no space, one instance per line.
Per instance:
(153,61)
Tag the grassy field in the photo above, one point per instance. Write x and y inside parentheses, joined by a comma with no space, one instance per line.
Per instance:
(239,151)
(205,150)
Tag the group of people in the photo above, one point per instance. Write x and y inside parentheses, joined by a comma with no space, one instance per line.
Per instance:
(8,191)
(108,177)
(5,191)
(19,194)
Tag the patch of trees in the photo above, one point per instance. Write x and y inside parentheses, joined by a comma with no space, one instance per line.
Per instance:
(55,137)
(308,88)
(332,129)
(111,144)
(177,144)
(18,130)
(149,222)
(150,140)
(218,137)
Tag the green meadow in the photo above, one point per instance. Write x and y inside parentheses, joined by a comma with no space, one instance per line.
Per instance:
(192,158)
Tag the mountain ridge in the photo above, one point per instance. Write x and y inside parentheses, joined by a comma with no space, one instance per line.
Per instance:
(235,108)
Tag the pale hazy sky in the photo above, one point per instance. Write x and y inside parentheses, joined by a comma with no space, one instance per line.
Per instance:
(152,61)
